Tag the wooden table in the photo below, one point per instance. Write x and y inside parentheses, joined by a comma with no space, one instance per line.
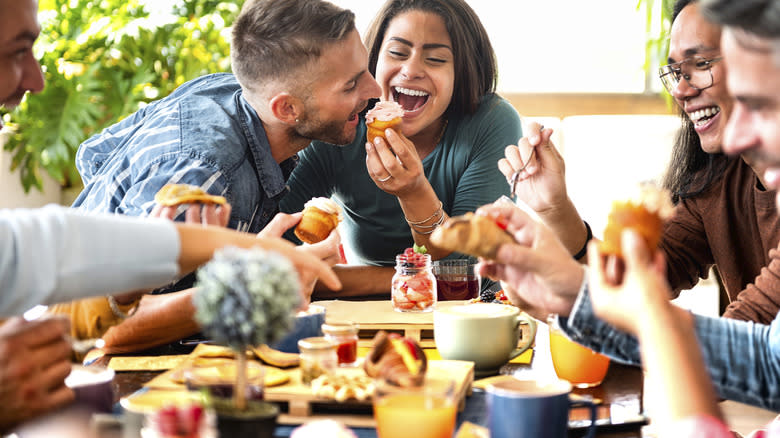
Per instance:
(621,395)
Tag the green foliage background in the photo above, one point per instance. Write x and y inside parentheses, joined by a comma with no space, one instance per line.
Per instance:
(103,60)
(658,26)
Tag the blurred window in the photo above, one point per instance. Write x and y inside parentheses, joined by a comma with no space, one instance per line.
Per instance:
(557,46)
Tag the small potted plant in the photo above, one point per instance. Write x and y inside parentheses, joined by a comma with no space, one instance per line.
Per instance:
(245,298)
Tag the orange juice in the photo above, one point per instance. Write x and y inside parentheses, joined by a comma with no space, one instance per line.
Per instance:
(418,415)
(581,366)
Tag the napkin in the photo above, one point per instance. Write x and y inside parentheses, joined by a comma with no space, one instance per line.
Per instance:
(145,363)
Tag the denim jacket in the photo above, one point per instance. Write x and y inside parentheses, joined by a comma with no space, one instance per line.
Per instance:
(743,358)
(205,134)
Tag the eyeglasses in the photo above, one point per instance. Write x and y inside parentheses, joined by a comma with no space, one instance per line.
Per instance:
(697,71)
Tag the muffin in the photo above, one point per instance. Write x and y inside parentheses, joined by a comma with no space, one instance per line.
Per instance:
(645,213)
(320,217)
(385,114)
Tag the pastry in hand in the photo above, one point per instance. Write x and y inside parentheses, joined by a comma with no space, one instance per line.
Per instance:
(645,213)
(398,360)
(472,234)
(385,114)
(320,217)
(174,194)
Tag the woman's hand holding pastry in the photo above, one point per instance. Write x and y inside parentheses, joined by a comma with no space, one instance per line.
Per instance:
(639,290)
(394,164)
(538,169)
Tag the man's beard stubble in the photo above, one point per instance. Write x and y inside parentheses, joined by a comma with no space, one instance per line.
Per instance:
(329,132)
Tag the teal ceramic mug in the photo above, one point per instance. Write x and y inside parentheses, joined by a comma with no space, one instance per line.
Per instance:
(487,334)
(531,409)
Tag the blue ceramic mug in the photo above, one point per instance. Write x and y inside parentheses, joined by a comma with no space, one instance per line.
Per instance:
(307,324)
(530,409)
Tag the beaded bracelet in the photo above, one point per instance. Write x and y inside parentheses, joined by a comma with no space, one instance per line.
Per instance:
(581,253)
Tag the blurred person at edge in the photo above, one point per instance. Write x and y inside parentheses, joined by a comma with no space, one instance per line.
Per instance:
(691,360)
(724,214)
(55,254)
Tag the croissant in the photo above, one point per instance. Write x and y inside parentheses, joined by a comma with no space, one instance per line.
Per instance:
(398,360)
(175,194)
(471,234)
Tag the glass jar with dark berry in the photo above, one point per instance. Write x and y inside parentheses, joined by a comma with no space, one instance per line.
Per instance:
(345,336)
(413,286)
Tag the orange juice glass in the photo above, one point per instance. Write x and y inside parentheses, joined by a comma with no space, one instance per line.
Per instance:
(581,366)
(428,411)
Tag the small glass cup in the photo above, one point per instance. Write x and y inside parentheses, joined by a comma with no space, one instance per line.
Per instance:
(345,336)
(180,420)
(456,279)
(318,357)
(428,410)
(581,366)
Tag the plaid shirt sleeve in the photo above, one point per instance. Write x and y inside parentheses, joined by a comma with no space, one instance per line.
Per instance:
(124,166)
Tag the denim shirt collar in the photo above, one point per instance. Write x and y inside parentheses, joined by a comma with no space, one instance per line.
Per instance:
(271,175)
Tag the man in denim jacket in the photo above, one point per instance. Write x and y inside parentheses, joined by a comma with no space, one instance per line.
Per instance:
(743,358)
(300,73)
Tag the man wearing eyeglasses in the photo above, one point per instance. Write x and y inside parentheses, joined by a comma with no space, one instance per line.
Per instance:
(724,214)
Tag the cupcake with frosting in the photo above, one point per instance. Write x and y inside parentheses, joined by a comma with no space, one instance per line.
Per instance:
(320,217)
(385,114)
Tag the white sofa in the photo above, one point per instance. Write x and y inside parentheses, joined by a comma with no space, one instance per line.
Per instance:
(609,155)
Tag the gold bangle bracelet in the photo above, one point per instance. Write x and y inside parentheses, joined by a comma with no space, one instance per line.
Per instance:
(440,209)
(432,227)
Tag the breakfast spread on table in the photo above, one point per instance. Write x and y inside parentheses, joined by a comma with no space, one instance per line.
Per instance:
(320,217)
(392,358)
(473,234)
(386,114)
(174,194)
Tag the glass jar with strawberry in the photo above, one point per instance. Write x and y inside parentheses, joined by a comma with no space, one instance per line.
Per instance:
(413,286)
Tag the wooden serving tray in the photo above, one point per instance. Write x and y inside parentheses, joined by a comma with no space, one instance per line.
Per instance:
(299,405)
(372,316)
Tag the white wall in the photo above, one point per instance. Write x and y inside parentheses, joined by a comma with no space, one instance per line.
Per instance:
(11,192)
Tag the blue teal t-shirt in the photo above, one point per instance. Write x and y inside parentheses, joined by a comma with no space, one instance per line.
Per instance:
(462,169)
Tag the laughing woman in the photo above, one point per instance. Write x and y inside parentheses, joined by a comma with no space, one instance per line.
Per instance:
(434,58)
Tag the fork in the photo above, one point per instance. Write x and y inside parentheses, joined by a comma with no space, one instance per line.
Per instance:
(516,175)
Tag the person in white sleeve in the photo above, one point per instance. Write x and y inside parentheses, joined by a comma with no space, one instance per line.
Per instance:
(56,254)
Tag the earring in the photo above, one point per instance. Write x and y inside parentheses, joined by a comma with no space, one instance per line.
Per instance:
(297,121)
